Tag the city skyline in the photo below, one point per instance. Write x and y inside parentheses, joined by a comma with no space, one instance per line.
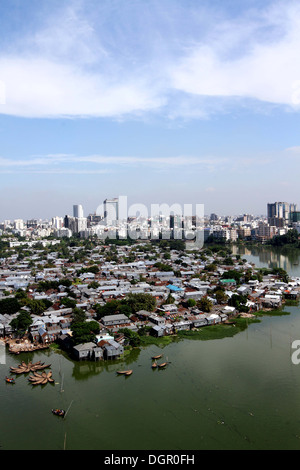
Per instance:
(117,209)
(166,103)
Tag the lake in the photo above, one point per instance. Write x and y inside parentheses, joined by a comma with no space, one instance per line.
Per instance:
(235,393)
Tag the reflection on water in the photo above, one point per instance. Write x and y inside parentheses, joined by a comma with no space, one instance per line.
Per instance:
(270,257)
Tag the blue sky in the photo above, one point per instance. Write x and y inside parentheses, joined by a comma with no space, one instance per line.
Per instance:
(173,101)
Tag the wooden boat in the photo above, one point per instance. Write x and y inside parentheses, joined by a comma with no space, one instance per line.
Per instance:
(10,380)
(58,412)
(157,357)
(154,365)
(124,372)
(163,364)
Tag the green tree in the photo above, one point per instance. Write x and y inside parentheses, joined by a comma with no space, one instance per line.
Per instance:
(191,303)
(205,304)
(221,297)
(141,302)
(9,306)
(22,322)
(68,303)
(79,315)
(82,332)
(133,338)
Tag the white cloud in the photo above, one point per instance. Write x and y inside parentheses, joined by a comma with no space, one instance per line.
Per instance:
(75,65)
(265,69)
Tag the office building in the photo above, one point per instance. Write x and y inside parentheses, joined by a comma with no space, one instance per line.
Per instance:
(78,211)
(111,211)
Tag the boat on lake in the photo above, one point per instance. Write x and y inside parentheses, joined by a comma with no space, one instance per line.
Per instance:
(163,364)
(58,412)
(10,380)
(157,357)
(124,372)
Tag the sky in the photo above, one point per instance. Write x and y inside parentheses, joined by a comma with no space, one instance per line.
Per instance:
(162,101)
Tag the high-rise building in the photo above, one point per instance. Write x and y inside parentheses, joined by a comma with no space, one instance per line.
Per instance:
(111,211)
(57,222)
(78,211)
(281,210)
(19,224)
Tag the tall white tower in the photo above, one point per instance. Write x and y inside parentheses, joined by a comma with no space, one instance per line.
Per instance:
(78,211)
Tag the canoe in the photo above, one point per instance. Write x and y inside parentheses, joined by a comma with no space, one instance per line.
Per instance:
(157,357)
(163,364)
(124,372)
(154,365)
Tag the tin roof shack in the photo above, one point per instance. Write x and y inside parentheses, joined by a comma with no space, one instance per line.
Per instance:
(97,353)
(157,320)
(197,320)
(182,325)
(213,319)
(112,350)
(169,308)
(83,351)
(157,331)
(244,290)
(271,301)
(65,341)
(116,321)
(229,311)
(143,315)
(193,294)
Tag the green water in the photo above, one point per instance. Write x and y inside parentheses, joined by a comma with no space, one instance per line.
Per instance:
(241,392)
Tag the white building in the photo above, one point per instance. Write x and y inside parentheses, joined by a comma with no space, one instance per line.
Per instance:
(111,211)
(57,222)
(19,224)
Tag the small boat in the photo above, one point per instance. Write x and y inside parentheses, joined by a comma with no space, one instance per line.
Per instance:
(58,412)
(154,365)
(157,357)
(163,364)
(124,372)
(10,380)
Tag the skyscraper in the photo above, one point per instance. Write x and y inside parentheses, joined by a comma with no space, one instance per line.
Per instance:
(78,211)
(280,210)
(111,211)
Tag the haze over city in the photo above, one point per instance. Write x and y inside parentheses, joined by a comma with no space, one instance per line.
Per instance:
(165,102)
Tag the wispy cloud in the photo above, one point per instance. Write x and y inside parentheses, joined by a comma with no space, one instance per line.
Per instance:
(64,163)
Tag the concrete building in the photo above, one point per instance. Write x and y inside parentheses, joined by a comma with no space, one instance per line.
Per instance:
(111,211)
(78,211)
